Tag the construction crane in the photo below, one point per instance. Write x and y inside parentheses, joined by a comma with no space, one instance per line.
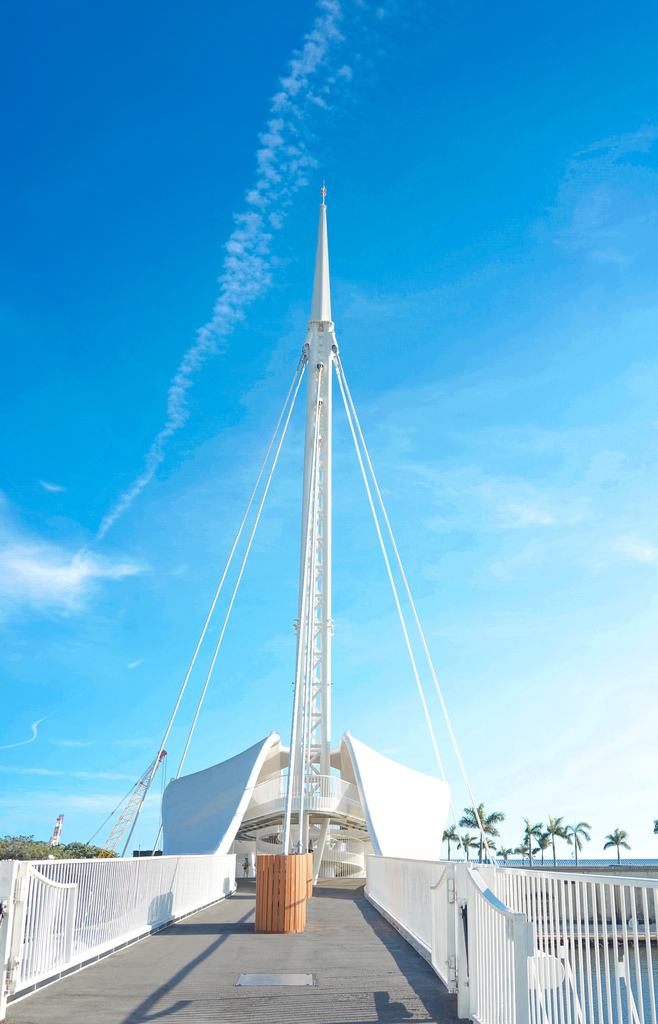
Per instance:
(132,808)
(54,841)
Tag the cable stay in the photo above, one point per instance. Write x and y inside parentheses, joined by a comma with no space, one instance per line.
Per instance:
(289,405)
(353,420)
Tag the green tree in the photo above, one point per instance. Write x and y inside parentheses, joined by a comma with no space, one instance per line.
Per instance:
(617,838)
(526,850)
(505,853)
(469,842)
(575,832)
(29,848)
(556,830)
(543,842)
(450,835)
(532,832)
(469,819)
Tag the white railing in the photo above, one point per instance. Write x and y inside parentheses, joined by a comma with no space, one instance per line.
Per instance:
(401,889)
(326,793)
(497,944)
(602,932)
(61,914)
(520,946)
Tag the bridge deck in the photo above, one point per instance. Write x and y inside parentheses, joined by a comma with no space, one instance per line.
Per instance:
(364,972)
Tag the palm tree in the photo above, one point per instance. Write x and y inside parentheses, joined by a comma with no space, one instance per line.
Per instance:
(504,852)
(556,830)
(525,850)
(544,841)
(575,832)
(450,835)
(469,842)
(532,832)
(469,819)
(617,838)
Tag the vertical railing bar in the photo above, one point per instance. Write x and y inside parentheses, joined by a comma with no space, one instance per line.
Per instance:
(632,891)
(617,901)
(649,954)
(585,886)
(624,934)
(597,948)
(607,939)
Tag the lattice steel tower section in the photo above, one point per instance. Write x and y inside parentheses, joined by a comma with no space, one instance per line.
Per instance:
(310,747)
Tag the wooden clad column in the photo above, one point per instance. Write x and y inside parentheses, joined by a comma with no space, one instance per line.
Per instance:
(281,888)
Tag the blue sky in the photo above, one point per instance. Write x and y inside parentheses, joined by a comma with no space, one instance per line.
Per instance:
(493,193)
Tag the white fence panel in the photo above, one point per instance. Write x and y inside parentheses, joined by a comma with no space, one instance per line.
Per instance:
(499,947)
(603,931)
(401,888)
(539,947)
(67,912)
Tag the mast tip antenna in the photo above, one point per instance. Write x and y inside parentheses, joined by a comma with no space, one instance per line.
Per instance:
(323,192)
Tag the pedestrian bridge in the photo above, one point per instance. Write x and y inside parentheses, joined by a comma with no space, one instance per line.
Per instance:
(422,941)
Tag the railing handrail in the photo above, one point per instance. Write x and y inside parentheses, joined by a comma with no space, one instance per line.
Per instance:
(490,897)
(635,881)
(32,871)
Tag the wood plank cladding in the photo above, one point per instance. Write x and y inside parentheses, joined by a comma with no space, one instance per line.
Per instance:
(282,883)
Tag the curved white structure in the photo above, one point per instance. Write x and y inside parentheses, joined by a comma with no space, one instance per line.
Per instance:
(392,810)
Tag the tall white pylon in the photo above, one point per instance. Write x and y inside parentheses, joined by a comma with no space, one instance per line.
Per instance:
(310,744)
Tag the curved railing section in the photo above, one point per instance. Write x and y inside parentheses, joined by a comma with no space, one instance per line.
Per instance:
(325,794)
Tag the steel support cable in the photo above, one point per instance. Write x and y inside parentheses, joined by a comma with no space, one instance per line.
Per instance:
(295,385)
(343,386)
(341,374)
(298,373)
(301,634)
(242,568)
(392,581)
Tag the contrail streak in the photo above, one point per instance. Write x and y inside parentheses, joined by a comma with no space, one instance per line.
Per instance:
(282,162)
(32,738)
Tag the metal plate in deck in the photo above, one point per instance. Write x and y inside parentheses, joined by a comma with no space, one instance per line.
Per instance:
(275,979)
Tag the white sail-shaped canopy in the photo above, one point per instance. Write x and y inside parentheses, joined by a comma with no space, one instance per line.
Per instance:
(401,812)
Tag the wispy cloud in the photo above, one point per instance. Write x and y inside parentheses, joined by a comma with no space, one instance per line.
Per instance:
(14,770)
(638,550)
(54,488)
(71,743)
(607,201)
(32,738)
(34,573)
(134,664)
(283,161)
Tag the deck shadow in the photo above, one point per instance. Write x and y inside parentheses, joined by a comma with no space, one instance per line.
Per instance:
(141,1014)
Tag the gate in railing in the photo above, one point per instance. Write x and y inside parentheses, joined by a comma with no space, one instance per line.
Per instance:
(521,946)
(62,914)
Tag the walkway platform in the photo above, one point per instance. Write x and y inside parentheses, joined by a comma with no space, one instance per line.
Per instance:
(363,972)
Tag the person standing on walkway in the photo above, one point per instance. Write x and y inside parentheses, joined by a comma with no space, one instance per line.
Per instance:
(245,867)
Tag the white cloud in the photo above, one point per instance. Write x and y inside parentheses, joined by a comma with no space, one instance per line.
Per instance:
(21,743)
(71,743)
(54,488)
(638,550)
(47,575)
(134,664)
(15,770)
(44,574)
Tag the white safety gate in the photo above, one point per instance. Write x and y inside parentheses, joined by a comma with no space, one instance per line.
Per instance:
(62,914)
(523,946)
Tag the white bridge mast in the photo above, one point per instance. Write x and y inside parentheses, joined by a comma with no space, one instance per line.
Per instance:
(310,744)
